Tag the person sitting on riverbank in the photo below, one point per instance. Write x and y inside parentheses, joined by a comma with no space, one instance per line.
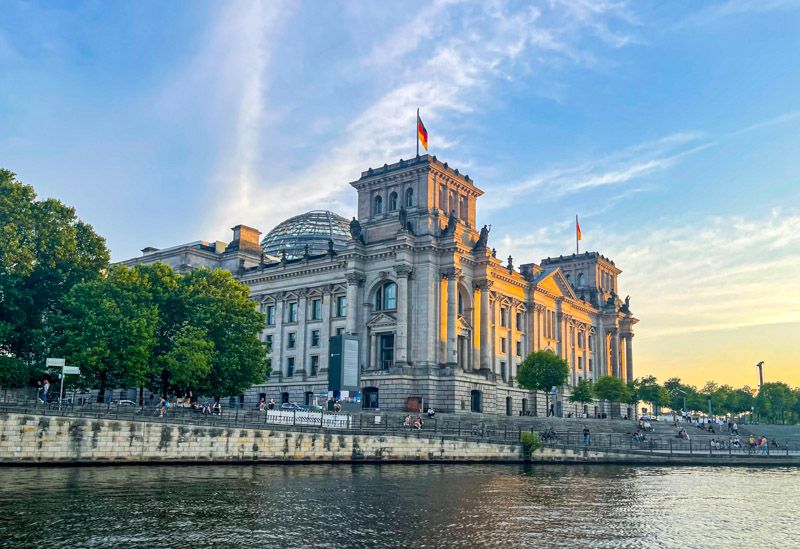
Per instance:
(418,423)
(751,441)
(262,406)
(431,412)
(271,405)
(217,408)
(206,408)
(735,443)
(407,421)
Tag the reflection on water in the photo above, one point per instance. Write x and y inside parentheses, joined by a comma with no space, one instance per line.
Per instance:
(398,506)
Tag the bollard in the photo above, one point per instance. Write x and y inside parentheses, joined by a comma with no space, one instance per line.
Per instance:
(690,447)
(670,446)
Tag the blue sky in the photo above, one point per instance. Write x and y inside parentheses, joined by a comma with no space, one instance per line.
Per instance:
(672,128)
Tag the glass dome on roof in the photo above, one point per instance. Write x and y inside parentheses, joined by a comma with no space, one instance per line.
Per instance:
(314,229)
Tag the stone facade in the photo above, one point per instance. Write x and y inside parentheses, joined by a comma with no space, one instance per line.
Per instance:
(55,439)
(438,317)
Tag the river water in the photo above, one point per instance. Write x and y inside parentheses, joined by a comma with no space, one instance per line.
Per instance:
(416,506)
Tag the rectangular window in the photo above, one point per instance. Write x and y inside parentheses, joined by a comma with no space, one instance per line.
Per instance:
(315,338)
(316,309)
(341,306)
(502,345)
(590,364)
(268,341)
(519,348)
(293,312)
(290,341)
(290,366)
(270,315)
(504,318)
(591,345)
(503,371)
(386,351)
(519,321)
(580,340)
(339,331)
(580,363)
(314,364)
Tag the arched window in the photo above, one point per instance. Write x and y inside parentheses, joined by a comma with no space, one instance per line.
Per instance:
(409,197)
(581,280)
(378,209)
(386,297)
(464,208)
(392,201)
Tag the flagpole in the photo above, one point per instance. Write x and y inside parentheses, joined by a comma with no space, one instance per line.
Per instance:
(416,133)
(577,242)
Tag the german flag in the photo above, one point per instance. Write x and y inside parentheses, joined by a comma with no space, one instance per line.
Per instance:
(577,228)
(422,133)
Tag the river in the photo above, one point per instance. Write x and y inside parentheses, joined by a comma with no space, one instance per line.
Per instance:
(416,506)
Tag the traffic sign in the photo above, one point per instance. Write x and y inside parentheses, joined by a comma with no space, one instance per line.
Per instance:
(71,370)
(55,362)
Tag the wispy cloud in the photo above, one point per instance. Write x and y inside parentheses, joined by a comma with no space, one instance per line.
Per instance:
(630,165)
(447,67)
(714,13)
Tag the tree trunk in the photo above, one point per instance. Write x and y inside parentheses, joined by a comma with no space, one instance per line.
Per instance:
(164,382)
(141,396)
(101,394)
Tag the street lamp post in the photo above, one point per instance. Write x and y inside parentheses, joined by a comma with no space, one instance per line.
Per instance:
(760,366)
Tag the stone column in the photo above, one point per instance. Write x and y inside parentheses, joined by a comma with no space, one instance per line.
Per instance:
(373,358)
(277,338)
(353,281)
(485,312)
(615,353)
(401,330)
(452,310)
(302,310)
(629,357)
(325,331)
(495,333)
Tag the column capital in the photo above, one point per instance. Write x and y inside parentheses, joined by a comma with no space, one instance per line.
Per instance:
(354,279)
(483,285)
(451,273)
(403,271)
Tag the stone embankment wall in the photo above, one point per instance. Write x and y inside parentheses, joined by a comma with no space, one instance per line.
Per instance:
(54,439)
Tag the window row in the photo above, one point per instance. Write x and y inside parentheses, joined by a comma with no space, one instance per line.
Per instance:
(291,339)
(377,204)
(314,310)
(505,319)
(313,367)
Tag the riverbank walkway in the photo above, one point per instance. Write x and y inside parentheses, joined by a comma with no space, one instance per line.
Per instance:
(612,437)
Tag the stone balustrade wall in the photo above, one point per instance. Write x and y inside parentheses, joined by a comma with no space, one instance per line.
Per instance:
(54,439)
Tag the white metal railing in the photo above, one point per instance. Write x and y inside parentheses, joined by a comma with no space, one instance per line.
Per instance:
(309,419)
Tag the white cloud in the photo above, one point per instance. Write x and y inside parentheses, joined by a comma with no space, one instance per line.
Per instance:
(445,66)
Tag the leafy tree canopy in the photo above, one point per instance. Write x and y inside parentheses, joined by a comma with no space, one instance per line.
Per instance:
(612,389)
(44,251)
(542,370)
(582,392)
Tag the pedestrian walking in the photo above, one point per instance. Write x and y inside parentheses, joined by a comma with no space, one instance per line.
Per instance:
(45,389)
(586,436)
(163,406)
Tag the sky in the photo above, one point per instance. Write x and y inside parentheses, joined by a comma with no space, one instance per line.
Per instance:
(671,128)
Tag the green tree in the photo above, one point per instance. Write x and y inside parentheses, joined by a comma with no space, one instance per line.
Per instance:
(542,370)
(14,373)
(773,401)
(582,392)
(648,390)
(221,305)
(108,329)
(44,251)
(612,389)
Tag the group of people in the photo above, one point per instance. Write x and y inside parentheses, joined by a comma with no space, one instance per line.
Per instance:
(644,425)
(263,406)
(205,408)
(42,388)
(415,422)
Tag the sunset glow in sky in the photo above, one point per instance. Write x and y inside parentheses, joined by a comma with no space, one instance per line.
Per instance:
(671,128)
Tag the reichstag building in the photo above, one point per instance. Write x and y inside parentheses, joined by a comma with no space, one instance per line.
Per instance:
(440,320)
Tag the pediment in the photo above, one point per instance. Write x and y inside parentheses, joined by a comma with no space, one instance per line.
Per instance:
(381,319)
(556,283)
(463,324)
